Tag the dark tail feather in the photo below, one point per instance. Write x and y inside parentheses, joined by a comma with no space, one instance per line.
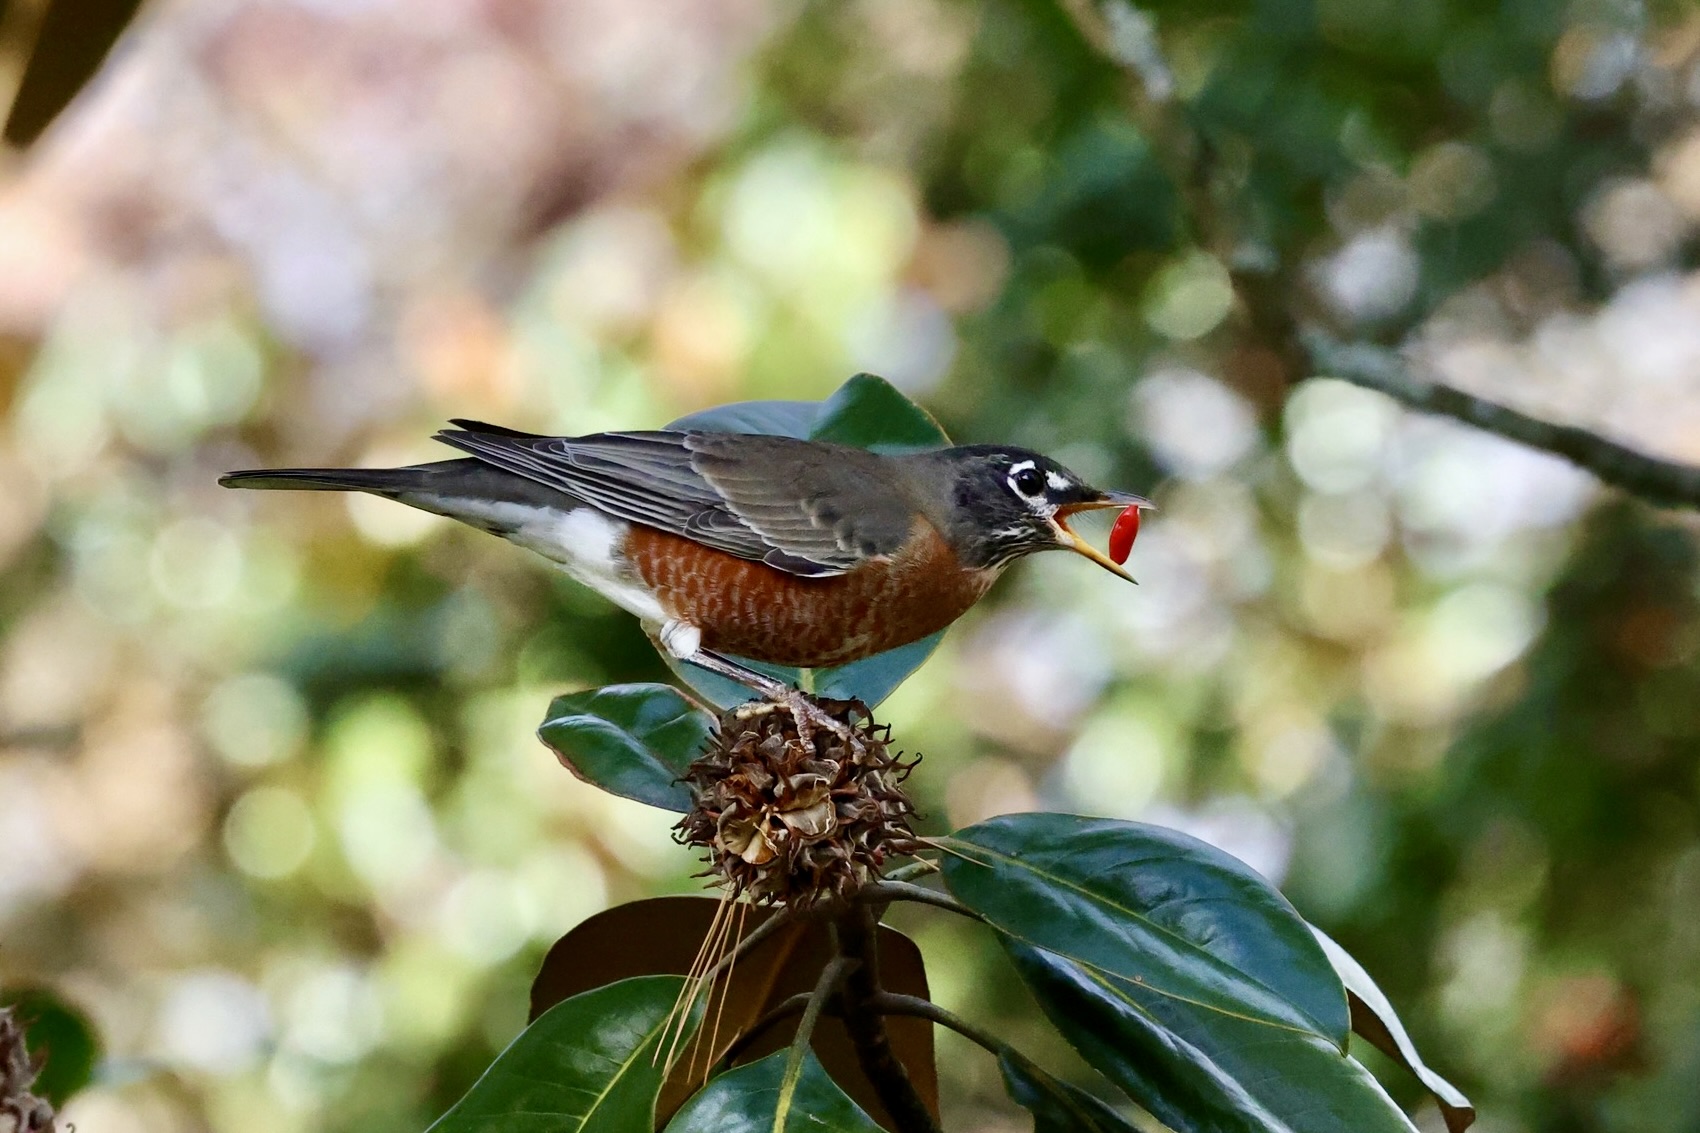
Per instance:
(381,481)
(444,486)
(472,426)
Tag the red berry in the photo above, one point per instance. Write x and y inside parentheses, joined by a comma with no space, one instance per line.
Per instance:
(1123,533)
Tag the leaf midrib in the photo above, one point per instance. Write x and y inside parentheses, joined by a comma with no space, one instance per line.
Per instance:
(1156,928)
(620,1073)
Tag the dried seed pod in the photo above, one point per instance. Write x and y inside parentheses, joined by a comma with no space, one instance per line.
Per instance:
(27,1113)
(789,823)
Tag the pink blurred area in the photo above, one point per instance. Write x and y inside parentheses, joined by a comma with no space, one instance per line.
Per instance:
(365,180)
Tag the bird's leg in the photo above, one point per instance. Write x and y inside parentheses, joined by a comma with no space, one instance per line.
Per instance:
(803,709)
(684,641)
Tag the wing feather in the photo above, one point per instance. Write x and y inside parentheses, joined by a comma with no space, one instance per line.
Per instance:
(804,507)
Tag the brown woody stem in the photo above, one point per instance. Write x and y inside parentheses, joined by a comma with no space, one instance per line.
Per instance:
(880,892)
(781,1011)
(890,1004)
(856,931)
(1668,482)
(920,867)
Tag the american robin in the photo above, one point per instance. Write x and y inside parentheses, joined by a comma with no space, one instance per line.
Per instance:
(770,548)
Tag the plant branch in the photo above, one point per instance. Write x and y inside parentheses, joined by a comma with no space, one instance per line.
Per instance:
(880,892)
(920,867)
(856,931)
(767,928)
(831,976)
(780,1011)
(1378,368)
(890,1003)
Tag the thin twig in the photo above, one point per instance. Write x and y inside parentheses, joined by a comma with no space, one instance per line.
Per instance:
(831,976)
(880,892)
(764,930)
(1373,367)
(725,994)
(890,1003)
(779,1012)
(920,867)
(679,1016)
(856,934)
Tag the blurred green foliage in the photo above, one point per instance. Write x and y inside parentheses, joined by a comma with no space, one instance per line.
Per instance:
(273,810)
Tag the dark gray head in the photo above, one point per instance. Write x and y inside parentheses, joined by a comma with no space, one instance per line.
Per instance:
(1005,502)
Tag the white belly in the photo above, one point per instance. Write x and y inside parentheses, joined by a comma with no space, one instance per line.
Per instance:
(583,542)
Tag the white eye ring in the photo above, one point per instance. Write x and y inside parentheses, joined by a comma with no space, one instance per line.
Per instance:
(1026,481)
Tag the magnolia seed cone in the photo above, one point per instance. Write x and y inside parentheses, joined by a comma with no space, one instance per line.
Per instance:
(20,1109)
(788,822)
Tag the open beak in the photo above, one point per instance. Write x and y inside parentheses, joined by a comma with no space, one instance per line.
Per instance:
(1067,538)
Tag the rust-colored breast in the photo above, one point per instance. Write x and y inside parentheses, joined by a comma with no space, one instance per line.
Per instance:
(752,610)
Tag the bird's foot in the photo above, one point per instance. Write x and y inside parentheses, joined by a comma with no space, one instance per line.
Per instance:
(805,711)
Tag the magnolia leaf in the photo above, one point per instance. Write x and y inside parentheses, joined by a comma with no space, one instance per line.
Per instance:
(631,740)
(70,43)
(869,412)
(1056,1106)
(589,1065)
(662,934)
(58,1033)
(767,418)
(1201,1070)
(1152,905)
(1373,1017)
(757,1099)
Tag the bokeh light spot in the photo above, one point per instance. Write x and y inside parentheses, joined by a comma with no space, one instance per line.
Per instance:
(269,832)
(254,719)
(1189,298)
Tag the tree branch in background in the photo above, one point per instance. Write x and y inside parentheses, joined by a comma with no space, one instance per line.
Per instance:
(1130,41)
(1374,367)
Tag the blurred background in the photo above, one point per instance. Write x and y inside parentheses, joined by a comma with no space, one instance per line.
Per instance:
(271,811)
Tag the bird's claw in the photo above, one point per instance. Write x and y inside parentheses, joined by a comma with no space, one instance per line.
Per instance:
(805,712)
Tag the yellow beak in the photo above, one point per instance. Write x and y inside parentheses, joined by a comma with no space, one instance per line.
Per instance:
(1067,538)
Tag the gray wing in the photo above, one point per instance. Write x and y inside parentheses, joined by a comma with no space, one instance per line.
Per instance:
(804,507)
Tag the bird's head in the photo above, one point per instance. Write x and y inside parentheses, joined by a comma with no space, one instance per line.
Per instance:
(1007,502)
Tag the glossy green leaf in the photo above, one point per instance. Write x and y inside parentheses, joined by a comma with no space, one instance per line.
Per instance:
(61,1035)
(766,418)
(869,680)
(872,679)
(866,412)
(753,1099)
(1152,905)
(1056,1106)
(869,412)
(1373,1017)
(633,740)
(587,1065)
(1203,1071)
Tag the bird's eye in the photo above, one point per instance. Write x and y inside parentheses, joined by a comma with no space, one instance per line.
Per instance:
(1028,481)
